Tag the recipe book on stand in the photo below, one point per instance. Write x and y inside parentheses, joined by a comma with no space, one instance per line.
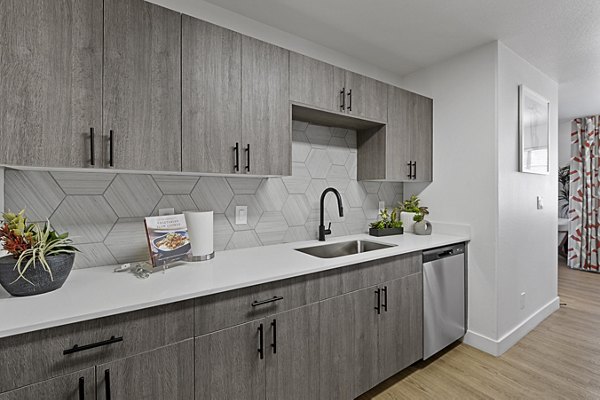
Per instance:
(168,240)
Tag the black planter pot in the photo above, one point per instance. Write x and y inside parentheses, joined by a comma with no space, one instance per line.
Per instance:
(386,231)
(60,264)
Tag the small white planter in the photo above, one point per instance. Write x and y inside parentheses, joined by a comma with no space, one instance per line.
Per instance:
(407,219)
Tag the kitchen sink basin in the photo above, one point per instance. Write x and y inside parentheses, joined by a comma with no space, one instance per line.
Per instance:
(343,248)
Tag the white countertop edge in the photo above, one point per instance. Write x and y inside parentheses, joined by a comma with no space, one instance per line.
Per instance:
(58,309)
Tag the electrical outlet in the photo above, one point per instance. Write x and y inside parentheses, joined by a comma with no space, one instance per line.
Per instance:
(540,203)
(381,206)
(166,211)
(522,301)
(241,215)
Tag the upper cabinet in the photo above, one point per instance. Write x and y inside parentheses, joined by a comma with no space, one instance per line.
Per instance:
(211,68)
(317,84)
(142,86)
(130,85)
(51,83)
(366,97)
(409,137)
(266,114)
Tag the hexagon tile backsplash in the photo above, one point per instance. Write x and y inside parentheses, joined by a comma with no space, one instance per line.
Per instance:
(104,211)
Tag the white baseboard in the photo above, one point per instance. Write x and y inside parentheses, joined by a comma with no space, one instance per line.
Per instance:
(498,347)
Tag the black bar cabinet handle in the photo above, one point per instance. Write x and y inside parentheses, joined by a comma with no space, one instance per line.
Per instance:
(236,166)
(343,99)
(92,149)
(111,148)
(76,348)
(414,170)
(82,388)
(385,302)
(409,169)
(271,300)
(274,344)
(261,350)
(107,383)
(378,306)
(248,157)
(350,98)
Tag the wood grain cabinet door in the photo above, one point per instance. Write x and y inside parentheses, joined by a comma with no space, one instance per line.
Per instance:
(315,83)
(50,82)
(292,343)
(266,111)
(229,364)
(366,97)
(401,325)
(163,374)
(75,386)
(142,86)
(211,97)
(409,136)
(422,142)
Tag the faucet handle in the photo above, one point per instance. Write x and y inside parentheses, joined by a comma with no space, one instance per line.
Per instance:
(328,230)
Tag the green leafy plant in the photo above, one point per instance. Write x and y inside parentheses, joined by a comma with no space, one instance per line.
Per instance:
(387,219)
(412,205)
(31,244)
(564,176)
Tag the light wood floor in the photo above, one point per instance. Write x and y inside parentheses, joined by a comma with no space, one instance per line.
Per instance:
(559,359)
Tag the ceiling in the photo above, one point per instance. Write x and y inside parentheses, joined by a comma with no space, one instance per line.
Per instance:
(560,37)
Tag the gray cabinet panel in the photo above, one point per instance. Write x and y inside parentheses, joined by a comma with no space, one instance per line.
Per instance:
(64,388)
(365,339)
(266,111)
(39,355)
(211,96)
(163,374)
(337,344)
(369,97)
(142,85)
(315,83)
(228,365)
(51,82)
(409,136)
(401,325)
(422,143)
(292,344)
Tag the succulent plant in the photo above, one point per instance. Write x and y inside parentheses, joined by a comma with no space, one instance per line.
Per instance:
(31,244)
(412,205)
(387,220)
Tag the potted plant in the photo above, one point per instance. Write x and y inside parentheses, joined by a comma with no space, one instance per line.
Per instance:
(411,212)
(387,224)
(39,260)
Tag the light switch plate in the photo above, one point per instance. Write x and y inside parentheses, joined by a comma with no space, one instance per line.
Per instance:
(241,215)
(540,203)
(381,206)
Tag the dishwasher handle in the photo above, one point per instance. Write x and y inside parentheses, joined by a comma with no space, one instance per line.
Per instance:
(443,252)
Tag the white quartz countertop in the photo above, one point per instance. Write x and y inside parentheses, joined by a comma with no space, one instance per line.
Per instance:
(99,292)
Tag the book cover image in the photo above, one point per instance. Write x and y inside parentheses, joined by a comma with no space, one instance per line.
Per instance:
(168,239)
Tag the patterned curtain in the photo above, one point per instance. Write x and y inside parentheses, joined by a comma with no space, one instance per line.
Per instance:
(584,222)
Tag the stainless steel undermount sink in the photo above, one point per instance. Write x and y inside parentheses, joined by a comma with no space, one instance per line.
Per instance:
(340,249)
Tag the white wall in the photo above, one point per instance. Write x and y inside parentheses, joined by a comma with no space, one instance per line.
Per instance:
(476,180)
(464,188)
(564,143)
(239,23)
(527,237)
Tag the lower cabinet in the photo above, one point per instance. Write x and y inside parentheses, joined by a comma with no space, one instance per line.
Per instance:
(274,358)
(75,386)
(369,335)
(400,332)
(163,374)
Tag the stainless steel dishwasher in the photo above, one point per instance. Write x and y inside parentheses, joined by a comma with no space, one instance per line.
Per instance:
(444,297)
